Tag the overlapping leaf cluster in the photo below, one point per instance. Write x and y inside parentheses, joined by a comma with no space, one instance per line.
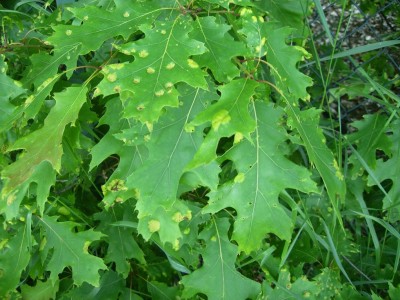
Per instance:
(151,142)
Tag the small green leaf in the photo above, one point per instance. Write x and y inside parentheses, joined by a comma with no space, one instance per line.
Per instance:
(70,249)
(218,278)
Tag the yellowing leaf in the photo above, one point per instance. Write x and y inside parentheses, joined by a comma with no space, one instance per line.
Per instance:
(43,144)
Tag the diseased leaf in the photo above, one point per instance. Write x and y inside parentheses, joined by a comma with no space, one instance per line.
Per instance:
(70,249)
(228,116)
(43,144)
(93,31)
(162,59)
(263,173)
(218,278)
(171,146)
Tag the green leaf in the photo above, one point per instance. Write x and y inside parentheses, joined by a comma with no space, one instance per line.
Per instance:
(93,31)
(10,89)
(42,290)
(288,13)
(218,278)
(70,249)
(263,173)
(121,243)
(219,55)
(162,59)
(43,144)
(228,116)
(307,124)
(45,66)
(369,138)
(110,287)
(390,170)
(171,147)
(14,258)
(283,60)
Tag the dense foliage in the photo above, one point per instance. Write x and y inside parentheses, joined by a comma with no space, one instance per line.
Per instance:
(173,149)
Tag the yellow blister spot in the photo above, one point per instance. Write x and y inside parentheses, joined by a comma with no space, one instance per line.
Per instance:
(163,31)
(238,137)
(117,66)
(126,14)
(150,70)
(112,77)
(68,32)
(239,178)
(159,93)
(153,225)
(170,66)
(169,85)
(140,107)
(177,217)
(189,128)
(176,245)
(117,88)
(136,80)
(143,53)
(86,246)
(221,117)
(85,18)
(192,63)
(213,238)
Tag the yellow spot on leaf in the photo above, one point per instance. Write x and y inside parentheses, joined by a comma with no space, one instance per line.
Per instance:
(68,32)
(192,64)
(159,93)
(85,18)
(140,107)
(150,70)
(153,225)
(213,238)
(117,66)
(126,14)
(86,246)
(143,53)
(177,217)
(170,66)
(136,80)
(189,128)
(338,172)
(176,245)
(163,31)
(112,77)
(239,178)
(169,85)
(221,117)
(238,137)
